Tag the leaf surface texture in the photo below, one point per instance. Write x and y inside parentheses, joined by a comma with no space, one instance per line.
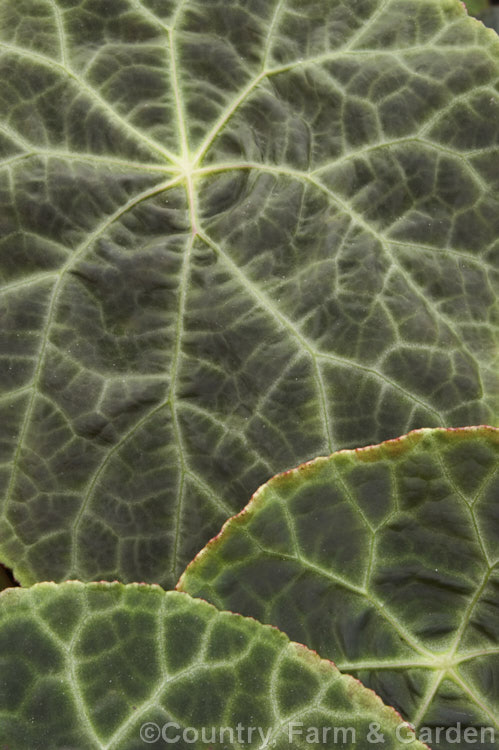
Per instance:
(92,666)
(385,560)
(233,236)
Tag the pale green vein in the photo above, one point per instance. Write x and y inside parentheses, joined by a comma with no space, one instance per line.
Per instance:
(386,380)
(378,52)
(455,100)
(174,375)
(276,314)
(218,503)
(94,480)
(374,665)
(358,218)
(182,292)
(290,522)
(149,703)
(273,683)
(475,698)
(365,26)
(11,395)
(83,713)
(63,50)
(179,105)
(425,301)
(481,489)
(360,591)
(356,153)
(453,484)
(330,56)
(272,27)
(14,136)
(469,612)
(371,559)
(14,286)
(165,680)
(447,251)
(179,9)
(52,305)
(225,117)
(265,396)
(477,654)
(110,161)
(323,401)
(432,664)
(53,65)
(7,163)
(226,429)
(31,403)
(428,698)
(147,13)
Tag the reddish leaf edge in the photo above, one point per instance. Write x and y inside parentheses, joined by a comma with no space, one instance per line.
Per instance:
(369,453)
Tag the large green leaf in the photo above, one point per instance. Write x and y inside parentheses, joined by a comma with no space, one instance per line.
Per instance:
(234,235)
(106,667)
(386,560)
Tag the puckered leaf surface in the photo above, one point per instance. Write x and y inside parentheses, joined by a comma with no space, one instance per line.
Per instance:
(234,235)
(385,560)
(104,666)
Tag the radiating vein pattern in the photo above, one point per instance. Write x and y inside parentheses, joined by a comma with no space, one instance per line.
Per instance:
(109,667)
(233,236)
(385,560)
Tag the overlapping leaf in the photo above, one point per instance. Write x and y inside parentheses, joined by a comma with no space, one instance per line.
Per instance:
(233,236)
(109,667)
(385,560)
